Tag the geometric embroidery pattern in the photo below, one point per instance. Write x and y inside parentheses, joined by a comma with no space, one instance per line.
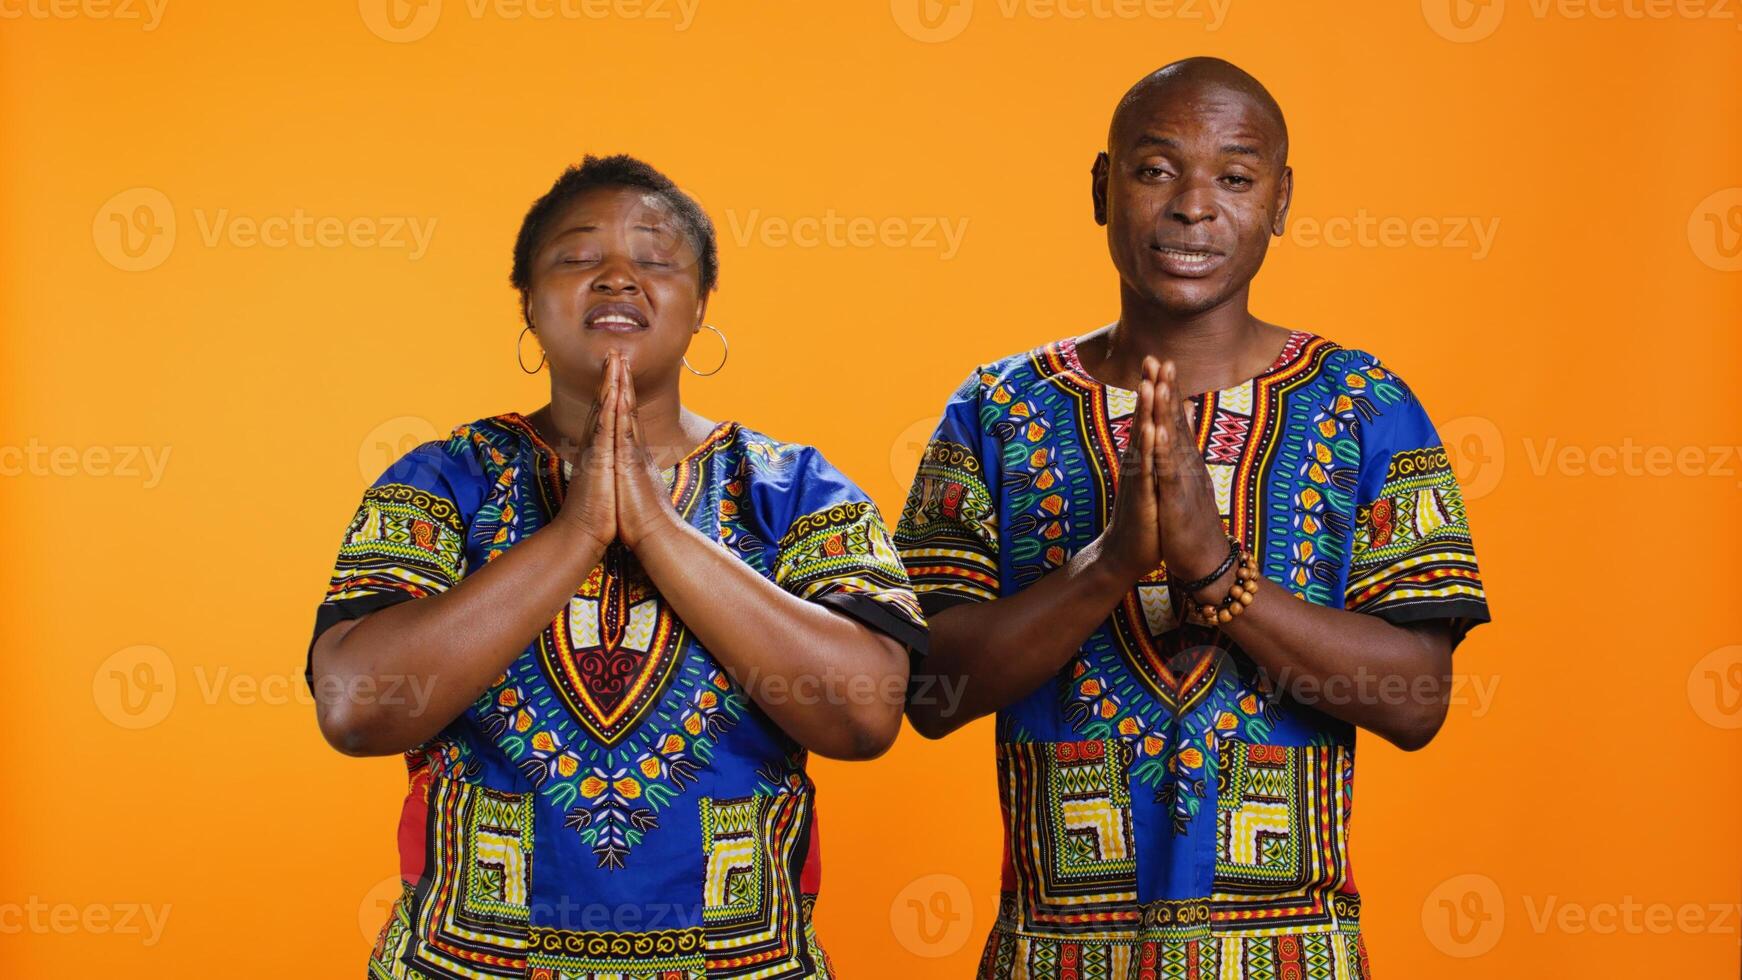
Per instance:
(949,525)
(1073,850)
(472,908)
(750,907)
(1281,832)
(1412,542)
(843,550)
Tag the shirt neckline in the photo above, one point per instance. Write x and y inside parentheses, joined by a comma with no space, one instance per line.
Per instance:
(1291,350)
(718,433)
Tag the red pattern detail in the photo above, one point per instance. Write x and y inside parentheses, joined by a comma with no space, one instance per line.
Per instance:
(1382,522)
(1227,437)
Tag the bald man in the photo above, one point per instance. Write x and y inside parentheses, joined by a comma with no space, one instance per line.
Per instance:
(1183,557)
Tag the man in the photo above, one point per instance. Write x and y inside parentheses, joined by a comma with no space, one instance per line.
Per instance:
(1112,536)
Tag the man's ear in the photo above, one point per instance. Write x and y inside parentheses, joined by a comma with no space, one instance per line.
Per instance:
(1098,187)
(1284,197)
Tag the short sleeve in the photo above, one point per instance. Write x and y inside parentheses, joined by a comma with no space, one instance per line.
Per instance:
(1412,557)
(948,532)
(407,539)
(834,548)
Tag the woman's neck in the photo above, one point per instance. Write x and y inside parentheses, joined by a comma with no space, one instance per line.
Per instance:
(668,430)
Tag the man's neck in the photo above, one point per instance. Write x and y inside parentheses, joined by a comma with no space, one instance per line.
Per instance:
(1211,350)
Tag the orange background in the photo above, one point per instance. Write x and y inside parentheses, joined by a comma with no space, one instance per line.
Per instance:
(1603,771)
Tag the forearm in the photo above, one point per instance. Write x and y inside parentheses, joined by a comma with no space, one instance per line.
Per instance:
(830,682)
(1391,680)
(991,654)
(439,653)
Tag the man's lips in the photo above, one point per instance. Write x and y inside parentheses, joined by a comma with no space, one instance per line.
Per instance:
(1187,261)
(615,317)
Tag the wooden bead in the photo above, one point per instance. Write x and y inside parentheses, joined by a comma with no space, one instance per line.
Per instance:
(1246,599)
(1224,616)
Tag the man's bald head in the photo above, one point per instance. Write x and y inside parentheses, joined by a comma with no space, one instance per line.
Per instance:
(1195,78)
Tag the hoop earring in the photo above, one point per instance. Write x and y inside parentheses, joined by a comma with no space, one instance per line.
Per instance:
(520,353)
(725,352)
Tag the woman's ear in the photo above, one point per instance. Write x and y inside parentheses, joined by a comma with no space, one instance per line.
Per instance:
(701,315)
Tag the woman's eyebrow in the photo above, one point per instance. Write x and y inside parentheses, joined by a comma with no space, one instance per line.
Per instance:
(573,230)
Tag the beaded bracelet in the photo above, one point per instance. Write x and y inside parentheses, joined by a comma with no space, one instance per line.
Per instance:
(1239,596)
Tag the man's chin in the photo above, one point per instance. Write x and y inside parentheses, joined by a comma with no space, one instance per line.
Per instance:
(1183,298)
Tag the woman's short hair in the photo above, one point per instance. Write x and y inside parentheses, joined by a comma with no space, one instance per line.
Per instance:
(620,170)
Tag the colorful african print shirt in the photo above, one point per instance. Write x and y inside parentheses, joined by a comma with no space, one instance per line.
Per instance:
(1167,816)
(614,805)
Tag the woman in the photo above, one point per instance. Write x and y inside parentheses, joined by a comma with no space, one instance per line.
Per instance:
(630,622)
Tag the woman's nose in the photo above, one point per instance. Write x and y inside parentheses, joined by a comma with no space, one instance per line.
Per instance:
(616,277)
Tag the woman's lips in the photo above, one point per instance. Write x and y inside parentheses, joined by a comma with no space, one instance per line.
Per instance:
(615,318)
(1188,263)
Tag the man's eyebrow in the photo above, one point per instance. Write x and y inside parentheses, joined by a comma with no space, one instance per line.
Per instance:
(1241,149)
(1150,139)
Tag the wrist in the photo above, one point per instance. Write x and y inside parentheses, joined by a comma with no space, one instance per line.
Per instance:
(1111,567)
(662,526)
(580,538)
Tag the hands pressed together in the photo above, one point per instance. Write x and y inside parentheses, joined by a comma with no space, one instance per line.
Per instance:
(1165,508)
(617,492)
